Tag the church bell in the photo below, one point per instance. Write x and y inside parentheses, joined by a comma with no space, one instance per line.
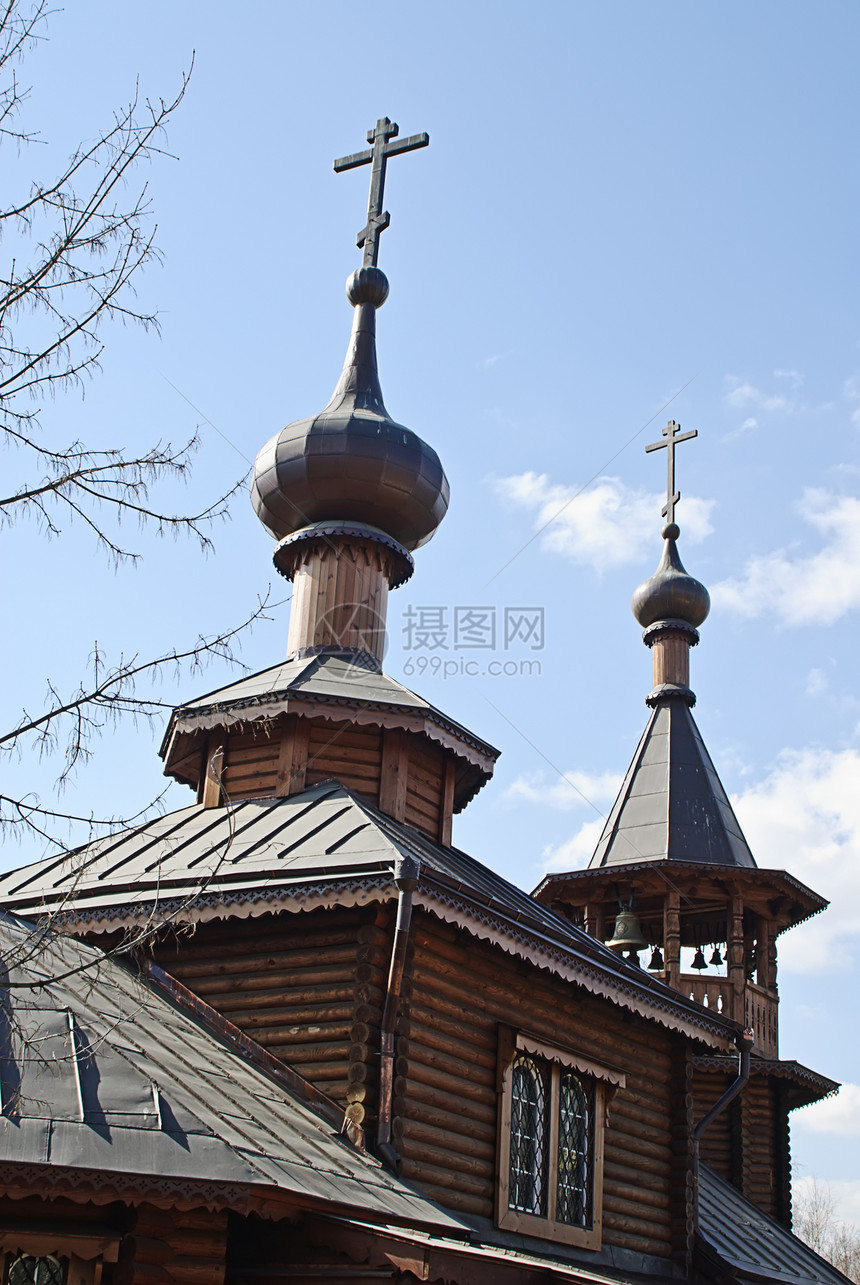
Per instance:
(628,932)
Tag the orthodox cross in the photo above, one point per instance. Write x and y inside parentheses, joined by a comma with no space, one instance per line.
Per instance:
(672,433)
(376,157)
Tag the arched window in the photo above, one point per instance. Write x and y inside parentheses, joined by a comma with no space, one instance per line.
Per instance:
(552,1117)
(575,1149)
(528,1156)
(26,1269)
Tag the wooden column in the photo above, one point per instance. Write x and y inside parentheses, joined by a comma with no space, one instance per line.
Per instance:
(594,921)
(446,818)
(670,658)
(762,953)
(292,758)
(735,952)
(211,793)
(340,594)
(395,773)
(672,938)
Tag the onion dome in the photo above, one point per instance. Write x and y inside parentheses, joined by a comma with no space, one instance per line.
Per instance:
(671,593)
(352,462)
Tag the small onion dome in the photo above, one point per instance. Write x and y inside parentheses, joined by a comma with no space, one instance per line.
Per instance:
(352,462)
(671,594)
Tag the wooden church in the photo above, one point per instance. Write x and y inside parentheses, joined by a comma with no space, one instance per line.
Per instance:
(291,1034)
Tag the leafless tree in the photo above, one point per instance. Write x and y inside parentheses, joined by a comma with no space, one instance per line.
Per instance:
(815,1222)
(72,246)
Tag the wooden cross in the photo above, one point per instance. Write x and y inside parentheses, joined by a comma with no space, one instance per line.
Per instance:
(377,157)
(672,433)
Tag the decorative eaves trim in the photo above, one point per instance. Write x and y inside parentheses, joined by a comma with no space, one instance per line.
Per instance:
(493,928)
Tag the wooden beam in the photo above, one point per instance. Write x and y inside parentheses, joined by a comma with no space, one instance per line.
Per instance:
(445,820)
(215,751)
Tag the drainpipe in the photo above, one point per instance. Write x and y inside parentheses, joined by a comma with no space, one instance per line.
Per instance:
(744,1042)
(406,872)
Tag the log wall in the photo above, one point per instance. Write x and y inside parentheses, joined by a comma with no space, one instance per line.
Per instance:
(748,1144)
(308,987)
(173,1247)
(286,755)
(445,1085)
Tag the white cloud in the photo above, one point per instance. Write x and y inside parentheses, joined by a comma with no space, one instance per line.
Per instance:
(750,423)
(740,393)
(839,1115)
(804,817)
(603,526)
(793,377)
(577,851)
(573,790)
(816,683)
(817,588)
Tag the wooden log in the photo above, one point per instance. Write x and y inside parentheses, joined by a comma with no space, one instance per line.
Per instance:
(632,1216)
(424,1170)
(429,1075)
(457,1067)
(480,1052)
(479,1124)
(406,1102)
(628,1148)
(458,1201)
(657,1181)
(616,1234)
(470,1154)
(304,1055)
(621,1194)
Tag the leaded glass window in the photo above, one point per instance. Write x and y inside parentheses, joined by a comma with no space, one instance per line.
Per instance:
(25,1269)
(575,1149)
(553,1114)
(529,1149)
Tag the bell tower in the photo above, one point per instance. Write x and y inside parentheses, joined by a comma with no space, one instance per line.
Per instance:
(672,875)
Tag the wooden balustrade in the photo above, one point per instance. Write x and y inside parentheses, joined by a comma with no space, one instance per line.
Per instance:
(760,1007)
(761,1013)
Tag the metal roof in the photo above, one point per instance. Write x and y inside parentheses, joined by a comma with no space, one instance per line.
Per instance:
(211,862)
(100,1072)
(672,805)
(326,677)
(754,1246)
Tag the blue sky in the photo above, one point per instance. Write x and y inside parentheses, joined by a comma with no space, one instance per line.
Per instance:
(619,201)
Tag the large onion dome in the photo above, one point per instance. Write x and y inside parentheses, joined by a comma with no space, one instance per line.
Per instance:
(352,462)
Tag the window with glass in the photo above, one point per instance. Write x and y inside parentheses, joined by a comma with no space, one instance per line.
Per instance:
(27,1269)
(551,1125)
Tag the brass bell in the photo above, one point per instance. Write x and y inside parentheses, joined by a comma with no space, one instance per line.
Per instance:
(716,959)
(628,932)
(698,960)
(656,963)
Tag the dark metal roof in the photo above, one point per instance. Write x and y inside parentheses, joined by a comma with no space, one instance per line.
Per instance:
(327,677)
(211,862)
(803,1085)
(100,1072)
(672,805)
(752,1245)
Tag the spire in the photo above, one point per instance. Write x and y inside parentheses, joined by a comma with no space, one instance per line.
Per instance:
(672,805)
(351,480)
(671,604)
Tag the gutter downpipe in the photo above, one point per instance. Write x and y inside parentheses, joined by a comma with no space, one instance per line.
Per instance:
(406,874)
(744,1042)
